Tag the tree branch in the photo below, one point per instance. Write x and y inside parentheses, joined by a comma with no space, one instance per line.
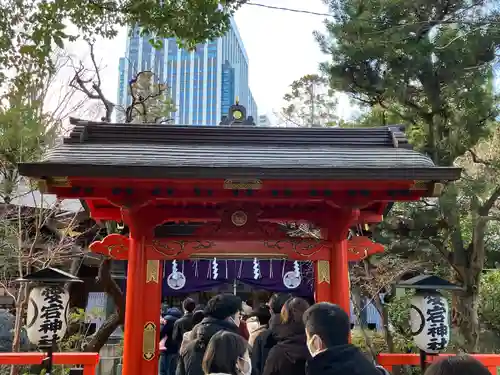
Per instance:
(486,207)
(476,159)
(95,91)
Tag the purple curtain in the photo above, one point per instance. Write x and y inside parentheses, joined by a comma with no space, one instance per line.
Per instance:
(200,276)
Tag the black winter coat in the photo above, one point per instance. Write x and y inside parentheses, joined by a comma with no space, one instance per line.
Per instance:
(262,344)
(290,354)
(191,357)
(341,360)
(181,326)
(167,330)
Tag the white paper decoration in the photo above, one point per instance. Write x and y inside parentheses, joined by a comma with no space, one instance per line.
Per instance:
(47,315)
(215,269)
(296,268)
(176,280)
(292,279)
(256,269)
(429,321)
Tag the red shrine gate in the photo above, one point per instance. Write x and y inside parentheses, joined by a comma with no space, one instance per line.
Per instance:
(241,185)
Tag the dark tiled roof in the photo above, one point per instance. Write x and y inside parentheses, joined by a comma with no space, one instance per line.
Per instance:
(161,151)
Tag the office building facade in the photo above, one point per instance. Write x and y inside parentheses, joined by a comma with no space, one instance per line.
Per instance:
(263,120)
(202,83)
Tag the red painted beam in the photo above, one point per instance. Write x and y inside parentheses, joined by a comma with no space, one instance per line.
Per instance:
(389,360)
(116,246)
(101,209)
(218,184)
(208,195)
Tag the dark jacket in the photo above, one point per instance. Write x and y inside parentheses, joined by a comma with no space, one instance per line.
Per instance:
(262,344)
(340,360)
(167,330)
(290,354)
(182,326)
(191,357)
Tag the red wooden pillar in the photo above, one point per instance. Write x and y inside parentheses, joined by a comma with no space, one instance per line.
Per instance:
(133,328)
(332,277)
(151,316)
(143,300)
(339,275)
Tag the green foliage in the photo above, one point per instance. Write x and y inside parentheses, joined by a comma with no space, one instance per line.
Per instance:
(378,342)
(31,29)
(310,103)
(490,300)
(430,65)
(25,131)
(74,341)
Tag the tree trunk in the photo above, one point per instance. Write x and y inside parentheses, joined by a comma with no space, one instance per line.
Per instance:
(18,323)
(116,319)
(466,303)
(466,318)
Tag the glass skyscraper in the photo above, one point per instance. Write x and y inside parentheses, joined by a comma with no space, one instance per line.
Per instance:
(203,83)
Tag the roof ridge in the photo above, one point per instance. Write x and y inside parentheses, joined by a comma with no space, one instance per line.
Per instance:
(92,132)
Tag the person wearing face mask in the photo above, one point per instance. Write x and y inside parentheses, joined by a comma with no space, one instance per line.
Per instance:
(327,329)
(222,313)
(289,355)
(227,354)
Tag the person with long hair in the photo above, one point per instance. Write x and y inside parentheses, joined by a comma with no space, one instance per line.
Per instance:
(457,365)
(290,354)
(227,354)
(264,341)
(222,313)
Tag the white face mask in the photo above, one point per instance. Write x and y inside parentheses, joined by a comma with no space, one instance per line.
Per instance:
(310,347)
(244,366)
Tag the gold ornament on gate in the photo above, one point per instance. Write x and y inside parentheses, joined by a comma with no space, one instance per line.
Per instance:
(239,218)
(323,272)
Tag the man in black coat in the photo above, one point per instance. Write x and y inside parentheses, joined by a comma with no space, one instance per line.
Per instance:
(265,341)
(168,348)
(185,323)
(222,313)
(327,330)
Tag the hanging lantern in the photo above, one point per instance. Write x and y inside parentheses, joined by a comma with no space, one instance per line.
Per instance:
(429,314)
(47,315)
(429,322)
(48,305)
(176,280)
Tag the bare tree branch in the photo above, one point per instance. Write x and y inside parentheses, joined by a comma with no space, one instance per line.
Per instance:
(91,87)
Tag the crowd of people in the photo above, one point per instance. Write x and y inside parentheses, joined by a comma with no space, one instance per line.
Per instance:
(286,336)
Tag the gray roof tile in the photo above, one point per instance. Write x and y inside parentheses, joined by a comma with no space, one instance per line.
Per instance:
(162,151)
